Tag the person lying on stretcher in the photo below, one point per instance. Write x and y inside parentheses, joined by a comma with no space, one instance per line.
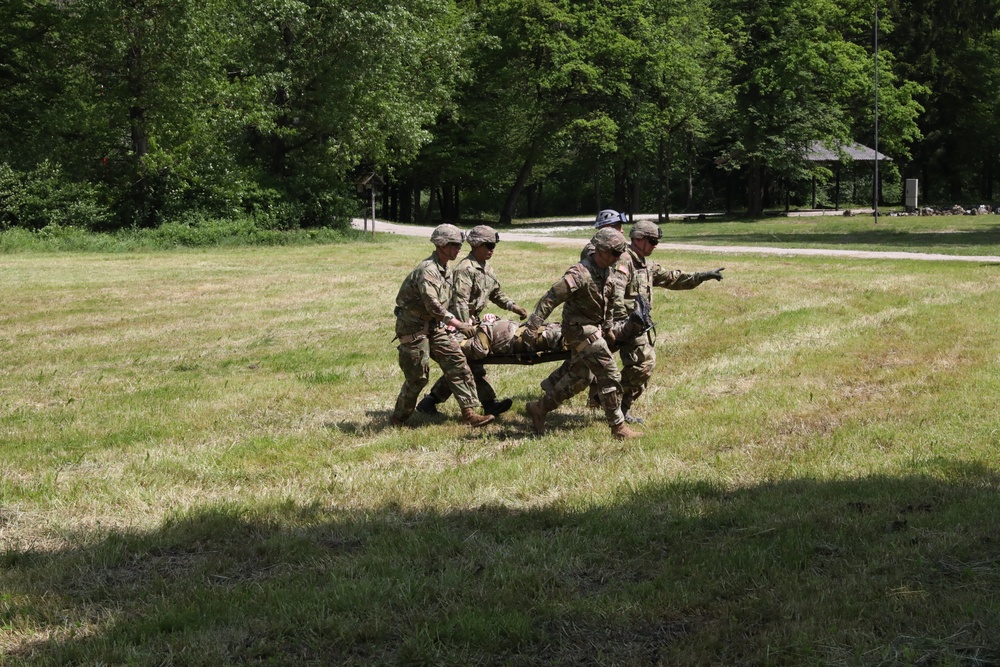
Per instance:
(502,341)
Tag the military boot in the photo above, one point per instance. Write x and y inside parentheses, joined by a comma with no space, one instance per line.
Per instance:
(594,396)
(497,408)
(474,420)
(428,405)
(537,411)
(626,406)
(623,432)
(396,420)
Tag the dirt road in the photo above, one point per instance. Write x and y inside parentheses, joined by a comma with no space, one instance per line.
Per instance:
(550,236)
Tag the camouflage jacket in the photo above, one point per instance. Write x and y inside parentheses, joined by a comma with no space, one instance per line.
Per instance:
(423,297)
(588,296)
(638,275)
(475,286)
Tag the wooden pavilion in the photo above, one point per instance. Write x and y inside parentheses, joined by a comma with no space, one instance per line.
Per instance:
(853,152)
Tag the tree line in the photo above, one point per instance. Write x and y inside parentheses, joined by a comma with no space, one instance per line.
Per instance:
(129,113)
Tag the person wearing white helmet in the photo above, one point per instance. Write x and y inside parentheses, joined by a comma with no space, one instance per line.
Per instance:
(587,294)
(476,285)
(639,276)
(608,218)
(422,320)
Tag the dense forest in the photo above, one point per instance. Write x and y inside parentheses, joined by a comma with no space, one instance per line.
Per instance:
(130,113)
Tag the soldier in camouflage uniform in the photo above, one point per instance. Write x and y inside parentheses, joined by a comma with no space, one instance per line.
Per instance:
(476,285)
(640,276)
(422,318)
(606,219)
(587,292)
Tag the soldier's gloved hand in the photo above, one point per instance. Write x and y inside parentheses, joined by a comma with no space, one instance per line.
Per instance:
(519,311)
(466,329)
(715,274)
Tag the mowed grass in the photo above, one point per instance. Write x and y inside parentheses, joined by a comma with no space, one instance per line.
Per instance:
(977,235)
(197,470)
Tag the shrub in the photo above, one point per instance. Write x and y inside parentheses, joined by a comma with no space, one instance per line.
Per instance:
(46,196)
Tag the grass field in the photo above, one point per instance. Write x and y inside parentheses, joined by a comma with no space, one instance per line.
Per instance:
(948,235)
(197,470)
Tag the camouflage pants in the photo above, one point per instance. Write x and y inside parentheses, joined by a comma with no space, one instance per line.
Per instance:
(638,361)
(441,391)
(414,361)
(594,362)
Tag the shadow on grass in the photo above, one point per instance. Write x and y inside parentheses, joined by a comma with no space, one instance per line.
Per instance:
(883,570)
(515,423)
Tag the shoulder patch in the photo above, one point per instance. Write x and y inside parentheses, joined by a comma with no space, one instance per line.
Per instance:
(621,267)
(570,280)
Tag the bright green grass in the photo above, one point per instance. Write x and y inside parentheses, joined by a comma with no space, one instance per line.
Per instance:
(949,235)
(196,470)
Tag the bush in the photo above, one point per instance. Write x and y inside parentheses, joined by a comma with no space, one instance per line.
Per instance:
(46,196)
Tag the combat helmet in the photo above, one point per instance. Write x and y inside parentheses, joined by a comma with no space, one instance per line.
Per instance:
(445,234)
(609,239)
(609,217)
(481,234)
(644,229)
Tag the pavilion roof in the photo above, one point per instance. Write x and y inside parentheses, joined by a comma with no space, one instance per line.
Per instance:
(817,151)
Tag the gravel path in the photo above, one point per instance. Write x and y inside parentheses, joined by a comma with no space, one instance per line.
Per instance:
(546,236)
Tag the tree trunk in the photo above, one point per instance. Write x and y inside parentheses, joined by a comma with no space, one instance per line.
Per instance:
(621,187)
(663,166)
(755,188)
(597,189)
(430,204)
(634,188)
(510,204)
(406,201)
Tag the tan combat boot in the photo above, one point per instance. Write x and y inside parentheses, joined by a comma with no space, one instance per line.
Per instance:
(537,411)
(623,432)
(470,417)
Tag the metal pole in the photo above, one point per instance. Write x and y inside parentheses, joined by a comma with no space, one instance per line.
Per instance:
(875,187)
(373,206)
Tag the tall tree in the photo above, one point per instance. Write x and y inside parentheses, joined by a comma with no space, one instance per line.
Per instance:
(797,73)
(346,83)
(952,48)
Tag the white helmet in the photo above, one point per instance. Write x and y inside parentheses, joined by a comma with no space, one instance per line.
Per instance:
(609,217)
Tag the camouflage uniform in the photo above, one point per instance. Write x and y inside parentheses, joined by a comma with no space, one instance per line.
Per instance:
(505,337)
(639,276)
(476,284)
(420,312)
(587,293)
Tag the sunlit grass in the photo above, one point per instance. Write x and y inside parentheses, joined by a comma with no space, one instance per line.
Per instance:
(948,235)
(197,469)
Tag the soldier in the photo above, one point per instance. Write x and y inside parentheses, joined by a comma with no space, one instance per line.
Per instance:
(587,293)
(476,284)
(640,276)
(422,316)
(608,218)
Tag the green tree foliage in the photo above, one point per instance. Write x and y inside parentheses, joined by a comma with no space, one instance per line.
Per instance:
(158,110)
(345,83)
(676,84)
(221,106)
(796,77)
(952,48)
